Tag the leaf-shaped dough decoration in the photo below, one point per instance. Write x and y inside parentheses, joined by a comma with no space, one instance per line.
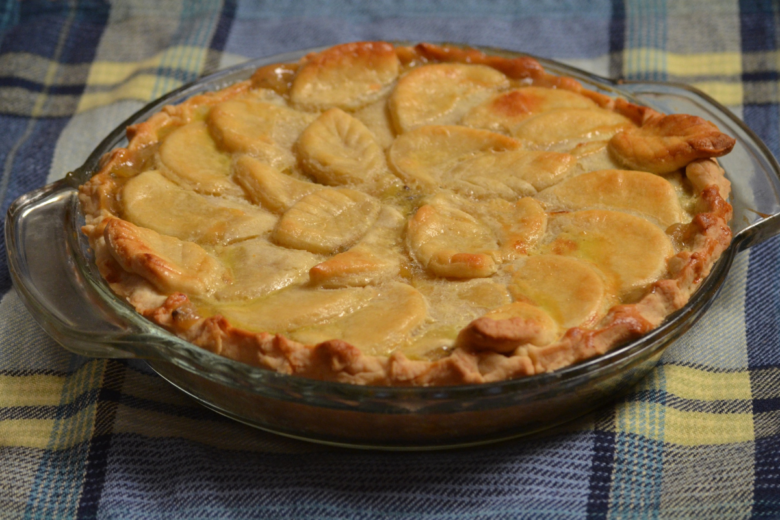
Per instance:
(327,221)
(338,150)
(514,169)
(378,327)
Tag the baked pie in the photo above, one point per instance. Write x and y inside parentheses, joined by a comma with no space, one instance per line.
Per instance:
(423,215)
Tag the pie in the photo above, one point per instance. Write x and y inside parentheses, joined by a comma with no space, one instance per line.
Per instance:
(427,215)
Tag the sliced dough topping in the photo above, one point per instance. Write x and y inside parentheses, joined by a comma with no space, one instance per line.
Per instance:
(594,155)
(563,124)
(639,192)
(518,226)
(260,268)
(338,150)
(441,94)
(568,289)
(451,243)
(422,157)
(327,221)
(152,201)
(629,250)
(268,187)
(168,263)
(376,117)
(508,174)
(360,266)
(295,307)
(505,111)
(377,328)
(375,259)
(255,126)
(191,158)
(345,76)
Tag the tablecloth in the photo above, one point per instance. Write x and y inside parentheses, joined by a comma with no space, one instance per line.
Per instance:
(85,438)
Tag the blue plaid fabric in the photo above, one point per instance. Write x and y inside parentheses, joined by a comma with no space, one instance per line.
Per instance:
(84,438)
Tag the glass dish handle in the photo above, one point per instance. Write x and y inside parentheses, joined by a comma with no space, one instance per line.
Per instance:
(40,242)
(752,169)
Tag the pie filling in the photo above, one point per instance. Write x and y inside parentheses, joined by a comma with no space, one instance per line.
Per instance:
(409,216)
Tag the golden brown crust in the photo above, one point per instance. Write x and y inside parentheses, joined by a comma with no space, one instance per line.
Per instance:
(667,143)
(161,277)
(170,264)
(346,76)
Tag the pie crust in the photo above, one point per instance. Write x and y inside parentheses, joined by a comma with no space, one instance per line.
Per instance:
(424,215)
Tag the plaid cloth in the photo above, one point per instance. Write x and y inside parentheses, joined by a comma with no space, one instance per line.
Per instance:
(90,438)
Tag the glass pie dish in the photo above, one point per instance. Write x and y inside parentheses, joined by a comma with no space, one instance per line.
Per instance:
(66,294)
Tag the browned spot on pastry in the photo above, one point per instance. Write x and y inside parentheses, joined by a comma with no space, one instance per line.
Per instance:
(407,55)
(600,99)
(451,243)
(665,144)
(564,246)
(515,103)
(705,221)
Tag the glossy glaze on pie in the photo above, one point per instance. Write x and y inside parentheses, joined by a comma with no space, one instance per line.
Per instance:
(409,216)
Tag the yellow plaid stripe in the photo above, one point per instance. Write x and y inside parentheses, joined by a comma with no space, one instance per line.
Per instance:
(691,383)
(645,60)
(690,428)
(113,81)
(35,390)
